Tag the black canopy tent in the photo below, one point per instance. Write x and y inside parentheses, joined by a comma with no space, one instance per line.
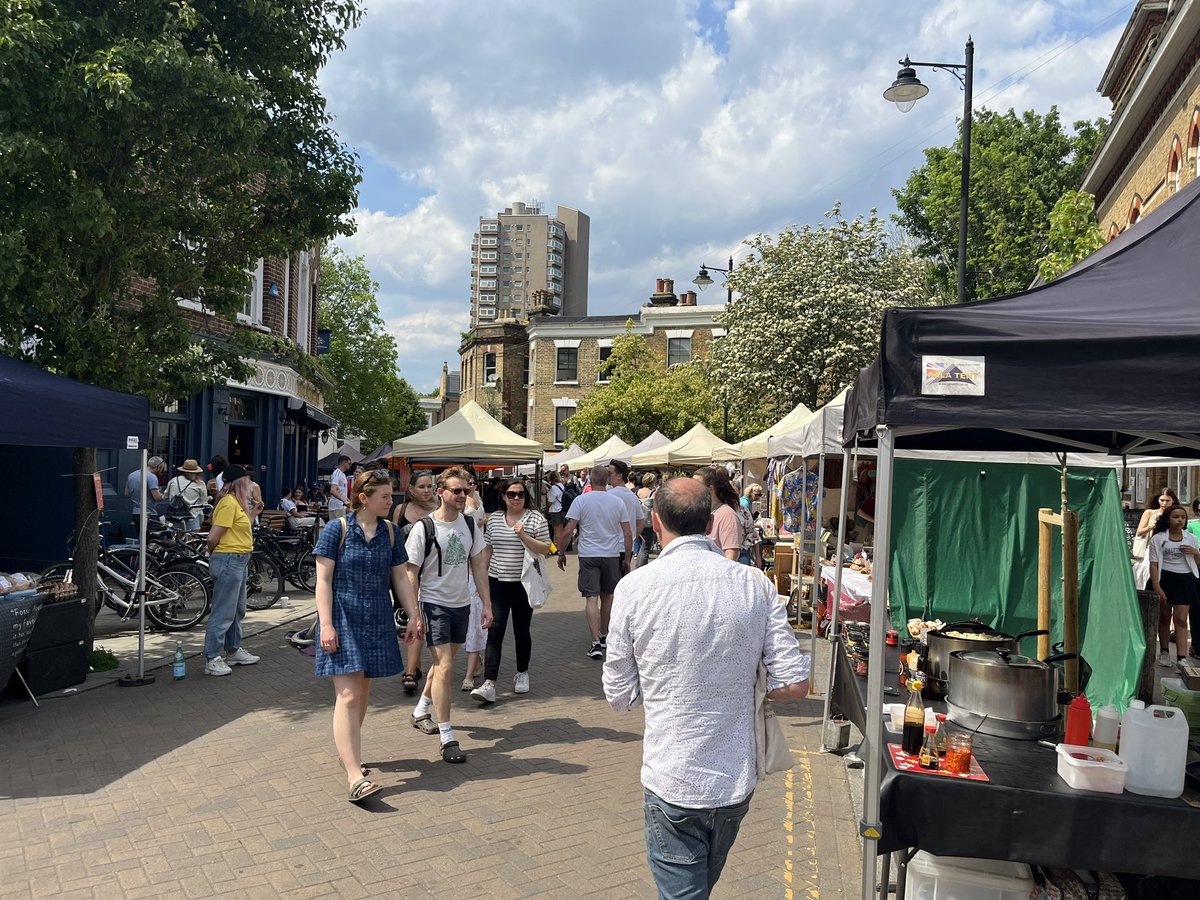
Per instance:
(1101,360)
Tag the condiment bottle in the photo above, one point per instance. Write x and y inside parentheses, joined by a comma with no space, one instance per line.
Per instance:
(940,738)
(1079,722)
(1104,733)
(914,719)
(928,757)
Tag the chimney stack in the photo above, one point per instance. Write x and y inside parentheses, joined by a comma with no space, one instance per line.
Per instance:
(688,298)
(658,285)
(664,293)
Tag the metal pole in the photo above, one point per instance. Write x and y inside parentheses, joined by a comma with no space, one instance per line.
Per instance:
(816,553)
(964,187)
(870,827)
(831,634)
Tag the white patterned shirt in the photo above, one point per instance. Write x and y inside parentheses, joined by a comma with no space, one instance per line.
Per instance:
(685,638)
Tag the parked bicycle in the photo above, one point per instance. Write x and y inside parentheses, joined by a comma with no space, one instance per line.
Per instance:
(278,557)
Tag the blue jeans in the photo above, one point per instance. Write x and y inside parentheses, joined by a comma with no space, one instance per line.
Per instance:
(687,848)
(224,629)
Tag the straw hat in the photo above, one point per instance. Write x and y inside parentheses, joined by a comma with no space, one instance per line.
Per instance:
(191,467)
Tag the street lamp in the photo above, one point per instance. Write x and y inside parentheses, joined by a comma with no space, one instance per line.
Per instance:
(905,91)
(703,280)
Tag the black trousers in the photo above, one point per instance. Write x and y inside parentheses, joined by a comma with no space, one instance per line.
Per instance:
(508,597)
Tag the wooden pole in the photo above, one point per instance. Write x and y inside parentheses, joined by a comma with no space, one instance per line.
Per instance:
(1071,596)
(1045,567)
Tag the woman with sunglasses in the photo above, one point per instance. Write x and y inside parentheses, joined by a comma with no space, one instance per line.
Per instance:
(420,502)
(510,532)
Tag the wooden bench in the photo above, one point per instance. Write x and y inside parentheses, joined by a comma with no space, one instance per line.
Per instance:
(273,518)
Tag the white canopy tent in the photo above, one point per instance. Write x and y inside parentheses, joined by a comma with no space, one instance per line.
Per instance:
(820,433)
(601,455)
(652,442)
(470,435)
(696,448)
(553,459)
(756,447)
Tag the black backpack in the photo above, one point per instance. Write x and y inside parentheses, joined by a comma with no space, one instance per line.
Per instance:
(570,492)
(431,541)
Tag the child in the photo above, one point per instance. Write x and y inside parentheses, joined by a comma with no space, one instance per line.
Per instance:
(476,637)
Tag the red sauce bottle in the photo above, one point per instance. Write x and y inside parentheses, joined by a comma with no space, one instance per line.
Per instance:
(1079,722)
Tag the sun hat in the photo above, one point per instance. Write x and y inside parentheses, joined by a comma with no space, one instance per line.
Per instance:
(233,473)
(191,467)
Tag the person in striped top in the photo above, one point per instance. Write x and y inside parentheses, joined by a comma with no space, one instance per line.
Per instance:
(510,532)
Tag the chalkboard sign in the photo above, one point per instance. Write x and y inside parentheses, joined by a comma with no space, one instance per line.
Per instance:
(1132,517)
(17,618)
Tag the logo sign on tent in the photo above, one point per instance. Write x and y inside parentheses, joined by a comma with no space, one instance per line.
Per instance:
(953,376)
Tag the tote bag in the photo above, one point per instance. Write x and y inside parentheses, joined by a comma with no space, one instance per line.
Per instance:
(535,579)
(772,751)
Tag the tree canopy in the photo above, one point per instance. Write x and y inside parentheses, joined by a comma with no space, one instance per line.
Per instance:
(370,398)
(152,151)
(1073,236)
(642,396)
(1020,167)
(806,316)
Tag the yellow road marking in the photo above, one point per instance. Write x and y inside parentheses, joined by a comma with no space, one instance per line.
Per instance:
(802,870)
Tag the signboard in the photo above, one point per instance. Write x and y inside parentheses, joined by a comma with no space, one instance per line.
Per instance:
(953,376)
(99,491)
(324,340)
(1132,518)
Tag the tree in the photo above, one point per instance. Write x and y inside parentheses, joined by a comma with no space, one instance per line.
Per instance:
(807,315)
(1020,166)
(643,396)
(371,398)
(152,151)
(1073,235)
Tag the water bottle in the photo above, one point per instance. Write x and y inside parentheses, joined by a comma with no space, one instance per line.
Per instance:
(179,666)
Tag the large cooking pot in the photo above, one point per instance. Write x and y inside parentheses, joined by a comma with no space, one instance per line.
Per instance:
(941,645)
(1018,695)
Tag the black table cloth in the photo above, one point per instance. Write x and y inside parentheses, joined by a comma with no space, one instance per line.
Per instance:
(1025,813)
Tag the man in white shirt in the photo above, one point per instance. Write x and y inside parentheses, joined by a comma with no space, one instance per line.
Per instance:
(618,475)
(605,547)
(338,488)
(439,581)
(699,755)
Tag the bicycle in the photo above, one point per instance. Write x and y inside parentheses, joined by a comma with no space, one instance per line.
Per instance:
(277,558)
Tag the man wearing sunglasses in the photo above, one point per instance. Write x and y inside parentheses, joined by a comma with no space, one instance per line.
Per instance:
(439,581)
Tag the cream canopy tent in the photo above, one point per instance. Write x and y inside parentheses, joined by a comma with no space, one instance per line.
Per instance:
(695,448)
(821,432)
(470,435)
(653,442)
(601,455)
(756,447)
(557,459)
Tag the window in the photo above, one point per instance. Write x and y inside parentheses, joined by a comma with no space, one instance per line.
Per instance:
(489,242)
(487,270)
(487,298)
(679,350)
(489,368)
(242,408)
(488,255)
(252,310)
(487,283)
(567,365)
(487,312)
(525,372)
(562,415)
(603,368)
(489,226)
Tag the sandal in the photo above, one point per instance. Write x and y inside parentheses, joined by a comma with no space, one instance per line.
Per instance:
(409,682)
(452,753)
(362,789)
(425,724)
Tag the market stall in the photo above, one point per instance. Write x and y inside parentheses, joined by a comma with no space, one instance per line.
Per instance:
(1076,365)
(756,447)
(601,455)
(691,450)
(652,441)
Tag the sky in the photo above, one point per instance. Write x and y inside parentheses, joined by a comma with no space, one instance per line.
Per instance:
(681,127)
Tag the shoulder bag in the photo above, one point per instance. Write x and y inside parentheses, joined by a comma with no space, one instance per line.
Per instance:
(772,753)
(535,579)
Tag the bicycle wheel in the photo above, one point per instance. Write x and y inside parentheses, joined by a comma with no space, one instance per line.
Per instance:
(264,582)
(305,576)
(185,599)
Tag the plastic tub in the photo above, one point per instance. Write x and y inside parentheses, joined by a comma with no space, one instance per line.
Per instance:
(1091,769)
(955,878)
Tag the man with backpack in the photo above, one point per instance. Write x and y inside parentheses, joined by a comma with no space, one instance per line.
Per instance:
(442,548)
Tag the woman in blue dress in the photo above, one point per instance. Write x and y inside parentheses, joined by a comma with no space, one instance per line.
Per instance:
(357,557)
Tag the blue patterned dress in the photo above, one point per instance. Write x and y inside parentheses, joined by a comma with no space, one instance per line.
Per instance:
(362,604)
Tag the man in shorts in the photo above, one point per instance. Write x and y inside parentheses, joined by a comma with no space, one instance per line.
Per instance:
(605,526)
(618,475)
(439,581)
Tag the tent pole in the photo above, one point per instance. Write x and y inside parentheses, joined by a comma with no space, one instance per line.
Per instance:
(870,827)
(140,587)
(831,634)
(816,552)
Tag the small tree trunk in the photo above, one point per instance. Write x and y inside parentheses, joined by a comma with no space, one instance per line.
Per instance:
(87,534)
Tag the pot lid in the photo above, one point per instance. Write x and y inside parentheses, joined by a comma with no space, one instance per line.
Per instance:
(992,658)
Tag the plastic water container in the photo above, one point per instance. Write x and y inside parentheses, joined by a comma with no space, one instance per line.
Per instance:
(1154,746)
(955,878)
(1092,769)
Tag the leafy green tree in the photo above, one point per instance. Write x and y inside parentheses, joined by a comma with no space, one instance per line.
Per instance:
(151,152)
(806,316)
(643,396)
(1020,166)
(370,398)
(1074,234)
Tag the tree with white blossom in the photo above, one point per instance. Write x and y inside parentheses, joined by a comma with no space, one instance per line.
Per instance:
(807,314)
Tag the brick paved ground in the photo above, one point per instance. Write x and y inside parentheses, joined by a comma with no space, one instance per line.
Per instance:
(231,786)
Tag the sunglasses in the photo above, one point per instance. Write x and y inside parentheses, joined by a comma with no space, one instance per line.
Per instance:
(378,475)
(457,492)
(514,495)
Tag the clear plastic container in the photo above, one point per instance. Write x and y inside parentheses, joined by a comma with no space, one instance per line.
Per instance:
(955,878)
(1154,745)
(1091,769)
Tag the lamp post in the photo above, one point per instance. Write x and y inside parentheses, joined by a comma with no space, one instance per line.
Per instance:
(703,280)
(905,91)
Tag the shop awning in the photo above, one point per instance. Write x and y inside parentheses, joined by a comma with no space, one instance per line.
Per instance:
(306,412)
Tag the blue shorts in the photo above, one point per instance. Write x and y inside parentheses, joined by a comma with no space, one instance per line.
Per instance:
(445,624)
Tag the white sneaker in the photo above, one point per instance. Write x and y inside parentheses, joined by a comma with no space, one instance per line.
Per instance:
(485,693)
(521,683)
(241,657)
(216,666)
(1164,659)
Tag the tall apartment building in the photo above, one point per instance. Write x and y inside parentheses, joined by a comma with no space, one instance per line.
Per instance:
(522,251)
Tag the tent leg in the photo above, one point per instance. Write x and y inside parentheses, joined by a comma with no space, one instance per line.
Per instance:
(141,679)
(870,827)
(831,634)
(816,557)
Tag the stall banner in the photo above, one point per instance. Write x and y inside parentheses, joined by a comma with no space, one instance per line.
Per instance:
(953,376)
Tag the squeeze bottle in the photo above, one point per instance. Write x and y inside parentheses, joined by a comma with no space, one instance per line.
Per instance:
(1079,722)
(1104,734)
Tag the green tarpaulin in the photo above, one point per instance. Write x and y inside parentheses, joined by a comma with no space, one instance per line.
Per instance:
(965,546)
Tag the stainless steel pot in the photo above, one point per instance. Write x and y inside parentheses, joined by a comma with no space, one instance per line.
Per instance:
(941,646)
(1003,686)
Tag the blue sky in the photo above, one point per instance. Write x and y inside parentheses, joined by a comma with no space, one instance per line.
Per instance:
(680,127)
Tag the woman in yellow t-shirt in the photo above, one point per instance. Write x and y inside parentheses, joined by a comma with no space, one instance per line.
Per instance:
(230,542)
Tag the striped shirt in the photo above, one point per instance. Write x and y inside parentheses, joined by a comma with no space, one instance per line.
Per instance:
(508,552)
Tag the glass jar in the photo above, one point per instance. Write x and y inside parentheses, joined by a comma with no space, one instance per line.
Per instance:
(959,746)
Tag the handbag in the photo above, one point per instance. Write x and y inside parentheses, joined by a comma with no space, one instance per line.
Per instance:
(1140,546)
(534,579)
(772,753)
